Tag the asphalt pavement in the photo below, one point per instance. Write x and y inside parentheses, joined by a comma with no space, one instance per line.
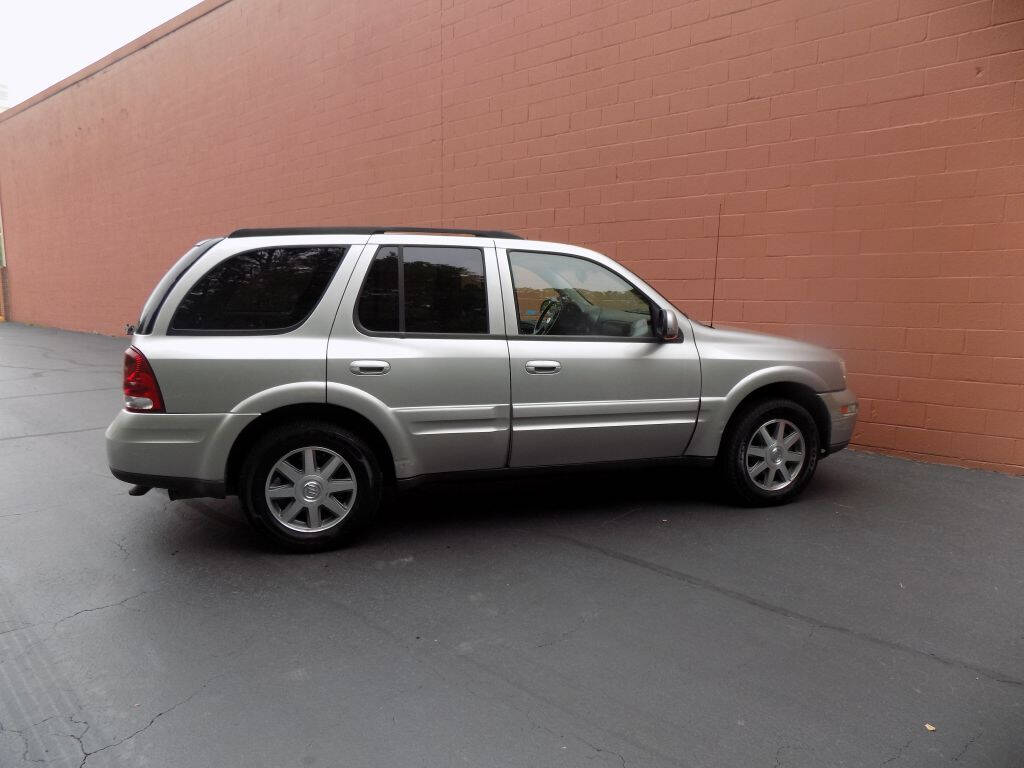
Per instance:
(604,618)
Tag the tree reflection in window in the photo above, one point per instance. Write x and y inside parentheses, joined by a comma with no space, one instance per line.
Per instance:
(444,290)
(425,289)
(270,289)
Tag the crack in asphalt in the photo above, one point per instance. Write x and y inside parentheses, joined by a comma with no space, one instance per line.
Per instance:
(580,623)
(562,737)
(51,354)
(444,674)
(17,629)
(54,394)
(24,742)
(79,736)
(50,434)
(12,367)
(61,620)
(86,754)
(700,583)
(54,624)
(37,371)
(967,744)
(27,744)
(582,717)
(897,754)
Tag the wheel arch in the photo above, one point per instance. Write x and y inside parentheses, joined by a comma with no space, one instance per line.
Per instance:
(334,414)
(719,414)
(787,390)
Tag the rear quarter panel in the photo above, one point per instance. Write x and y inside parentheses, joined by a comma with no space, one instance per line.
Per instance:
(246,373)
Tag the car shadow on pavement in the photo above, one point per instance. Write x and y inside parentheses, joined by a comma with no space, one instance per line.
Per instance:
(584,496)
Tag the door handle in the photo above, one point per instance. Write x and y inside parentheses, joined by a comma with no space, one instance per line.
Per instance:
(543,366)
(369,367)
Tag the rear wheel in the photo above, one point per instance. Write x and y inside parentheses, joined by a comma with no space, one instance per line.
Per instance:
(770,452)
(310,486)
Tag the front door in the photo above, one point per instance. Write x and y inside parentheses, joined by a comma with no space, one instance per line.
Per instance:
(590,380)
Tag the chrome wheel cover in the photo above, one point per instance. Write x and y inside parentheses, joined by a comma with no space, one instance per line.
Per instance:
(775,455)
(310,489)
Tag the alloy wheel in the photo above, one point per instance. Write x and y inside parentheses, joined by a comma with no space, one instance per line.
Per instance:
(775,455)
(311,489)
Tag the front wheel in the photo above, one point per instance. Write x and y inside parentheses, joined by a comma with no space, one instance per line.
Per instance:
(310,486)
(770,453)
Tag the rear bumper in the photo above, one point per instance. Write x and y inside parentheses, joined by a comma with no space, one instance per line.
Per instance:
(842,412)
(176,487)
(186,452)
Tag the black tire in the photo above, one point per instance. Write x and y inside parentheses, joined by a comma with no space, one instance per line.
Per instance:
(280,442)
(733,459)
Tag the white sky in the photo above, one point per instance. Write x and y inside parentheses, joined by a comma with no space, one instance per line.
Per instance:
(44,41)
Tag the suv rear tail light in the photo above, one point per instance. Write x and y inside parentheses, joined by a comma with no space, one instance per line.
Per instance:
(141,392)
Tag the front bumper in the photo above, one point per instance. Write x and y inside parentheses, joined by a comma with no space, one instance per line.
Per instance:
(173,450)
(842,412)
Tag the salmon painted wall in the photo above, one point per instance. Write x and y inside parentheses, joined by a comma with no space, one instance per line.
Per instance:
(858,166)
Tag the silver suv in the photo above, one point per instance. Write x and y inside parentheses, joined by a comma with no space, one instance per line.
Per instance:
(307,369)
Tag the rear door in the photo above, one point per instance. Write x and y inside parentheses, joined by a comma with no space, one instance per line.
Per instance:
(590,381)
(421,331)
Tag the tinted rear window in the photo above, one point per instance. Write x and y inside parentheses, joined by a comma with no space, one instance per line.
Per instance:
(425,289)
(265,290)
(378,301)
(444,290)
(168,281)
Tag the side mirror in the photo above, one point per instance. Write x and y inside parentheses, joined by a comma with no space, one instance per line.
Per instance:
(666,325)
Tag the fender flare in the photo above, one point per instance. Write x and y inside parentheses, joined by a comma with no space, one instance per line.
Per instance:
(293,393)
(333,393)
(715,412)
(382,417)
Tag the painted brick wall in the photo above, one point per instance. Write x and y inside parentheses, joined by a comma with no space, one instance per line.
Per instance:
(859,167)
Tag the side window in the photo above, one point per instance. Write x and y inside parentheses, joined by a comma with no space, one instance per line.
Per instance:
(424,289)
(266,290)
(558,295)
(378,302)
(156,299)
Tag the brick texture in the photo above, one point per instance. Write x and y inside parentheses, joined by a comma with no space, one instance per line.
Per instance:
(857,166)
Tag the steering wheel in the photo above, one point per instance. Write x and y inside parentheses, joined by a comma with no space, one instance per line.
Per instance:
(550,309)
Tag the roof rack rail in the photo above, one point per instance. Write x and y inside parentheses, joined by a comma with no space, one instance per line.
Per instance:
(496,233)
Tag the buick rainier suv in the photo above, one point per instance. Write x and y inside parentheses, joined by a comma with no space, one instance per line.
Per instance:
(306,370)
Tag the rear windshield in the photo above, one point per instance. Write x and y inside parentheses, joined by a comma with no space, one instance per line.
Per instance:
(156,299)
